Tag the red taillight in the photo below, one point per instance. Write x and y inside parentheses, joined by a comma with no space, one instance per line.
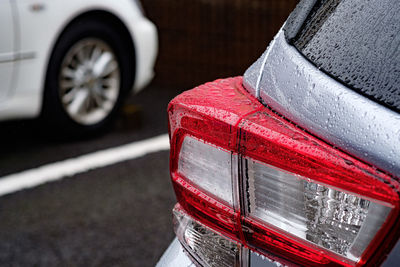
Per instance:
(206,209)
(240,169)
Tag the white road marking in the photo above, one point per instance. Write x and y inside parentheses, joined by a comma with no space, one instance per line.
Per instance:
(69,167)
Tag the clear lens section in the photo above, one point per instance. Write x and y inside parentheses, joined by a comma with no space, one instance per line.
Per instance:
(207,247)
(208,167)
(340,222)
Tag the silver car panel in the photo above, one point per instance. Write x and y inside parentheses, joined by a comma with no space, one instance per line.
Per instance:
(175,256)
(299,91)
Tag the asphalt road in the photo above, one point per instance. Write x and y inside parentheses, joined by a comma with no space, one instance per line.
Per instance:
(118,215)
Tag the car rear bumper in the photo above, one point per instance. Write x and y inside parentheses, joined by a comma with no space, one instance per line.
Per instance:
(176,256)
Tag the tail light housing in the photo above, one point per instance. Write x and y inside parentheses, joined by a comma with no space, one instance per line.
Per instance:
(253,177)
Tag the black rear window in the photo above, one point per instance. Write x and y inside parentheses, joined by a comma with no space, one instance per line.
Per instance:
(356,42)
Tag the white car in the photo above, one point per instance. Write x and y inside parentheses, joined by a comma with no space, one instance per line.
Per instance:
(73,61)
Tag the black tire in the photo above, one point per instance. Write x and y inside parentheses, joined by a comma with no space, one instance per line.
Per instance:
(53,111)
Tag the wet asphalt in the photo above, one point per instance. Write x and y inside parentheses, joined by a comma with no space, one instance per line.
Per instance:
(118,215)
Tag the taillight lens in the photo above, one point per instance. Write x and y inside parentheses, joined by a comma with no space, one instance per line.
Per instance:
(207,167)
(207,247)
(338,221)
(242,170)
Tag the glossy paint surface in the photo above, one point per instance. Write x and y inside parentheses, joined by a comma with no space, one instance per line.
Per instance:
(296,89)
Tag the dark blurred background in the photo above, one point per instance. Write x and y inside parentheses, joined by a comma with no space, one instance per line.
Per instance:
(202,40)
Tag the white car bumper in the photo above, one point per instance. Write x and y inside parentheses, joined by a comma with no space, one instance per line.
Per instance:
(145,39)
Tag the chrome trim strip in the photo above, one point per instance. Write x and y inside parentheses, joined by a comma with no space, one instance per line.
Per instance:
(9,57)
(295,88)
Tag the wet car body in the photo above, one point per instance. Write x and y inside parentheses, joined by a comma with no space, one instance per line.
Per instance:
(331,73)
